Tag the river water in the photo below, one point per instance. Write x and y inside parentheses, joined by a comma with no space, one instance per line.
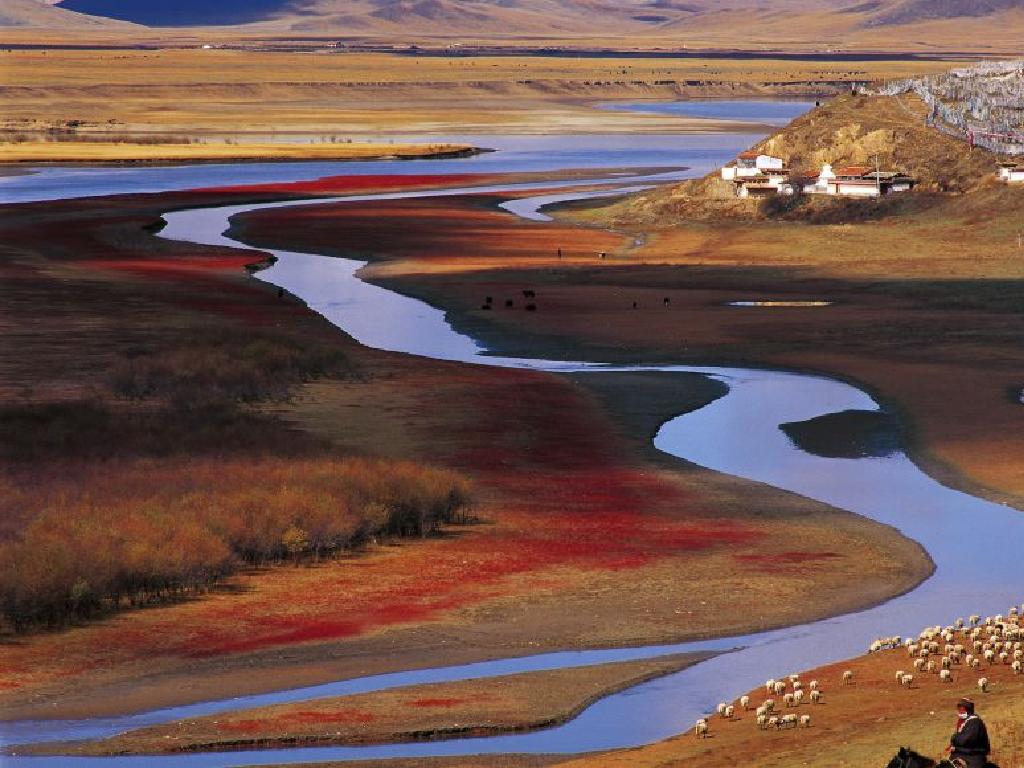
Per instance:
(974,543)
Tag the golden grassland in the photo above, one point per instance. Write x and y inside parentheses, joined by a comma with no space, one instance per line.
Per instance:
(152,153)
(487,706)
(348,94)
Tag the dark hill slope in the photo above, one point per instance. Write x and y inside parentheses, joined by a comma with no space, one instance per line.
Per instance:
(173,13)
(911,11)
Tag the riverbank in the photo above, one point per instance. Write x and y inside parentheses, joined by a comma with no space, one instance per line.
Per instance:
(156,153)
(472,708)
(857,724)
(544,454)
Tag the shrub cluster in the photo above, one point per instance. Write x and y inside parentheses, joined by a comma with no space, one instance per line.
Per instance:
(224,370)
(149,532)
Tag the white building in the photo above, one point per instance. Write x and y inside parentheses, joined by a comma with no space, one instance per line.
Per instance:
(858,181)
(1012,173)
(750,165)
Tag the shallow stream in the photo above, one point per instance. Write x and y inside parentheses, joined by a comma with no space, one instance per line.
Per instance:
(974,543)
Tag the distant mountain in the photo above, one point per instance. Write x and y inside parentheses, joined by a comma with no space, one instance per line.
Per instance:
(741,21)
(35,13)
(428,16)
(184,13)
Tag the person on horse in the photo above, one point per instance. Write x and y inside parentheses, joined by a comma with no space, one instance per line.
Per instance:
(969,745)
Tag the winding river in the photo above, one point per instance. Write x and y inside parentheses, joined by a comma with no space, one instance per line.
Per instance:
(737,434)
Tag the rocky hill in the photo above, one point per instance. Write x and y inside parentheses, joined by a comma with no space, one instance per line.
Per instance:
(849,130)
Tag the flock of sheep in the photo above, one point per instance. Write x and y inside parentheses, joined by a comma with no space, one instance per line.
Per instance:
(792,691)
(965,645)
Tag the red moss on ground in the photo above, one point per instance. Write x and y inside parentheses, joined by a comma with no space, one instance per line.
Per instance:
(305,717)
(442,703)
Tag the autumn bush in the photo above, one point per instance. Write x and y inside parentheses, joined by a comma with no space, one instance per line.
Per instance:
(127,533)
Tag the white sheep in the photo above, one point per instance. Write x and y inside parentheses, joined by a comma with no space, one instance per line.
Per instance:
(773,721)
(789,699)
(975,662)
(798,697)
(720,709)
(780,688)
(729,712)
(813,685)
(848,677)
(946,676)
(745,703)
(899,674)
(769,686)
(788,721)
(907,681)
(805,721)
(815,696)
(761,711)
(762,721)
(983,684)
(919,664)
(1017,667)
(701,729)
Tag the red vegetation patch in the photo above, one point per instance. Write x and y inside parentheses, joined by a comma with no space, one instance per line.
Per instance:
(357,183)
(782,562)
(438,703)
(448,231)
(304,717)
(787,557)
(175,267)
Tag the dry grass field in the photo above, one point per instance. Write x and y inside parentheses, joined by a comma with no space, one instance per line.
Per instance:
(193,92)
(158,153)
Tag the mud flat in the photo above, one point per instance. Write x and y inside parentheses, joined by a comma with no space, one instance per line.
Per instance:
(488,706)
